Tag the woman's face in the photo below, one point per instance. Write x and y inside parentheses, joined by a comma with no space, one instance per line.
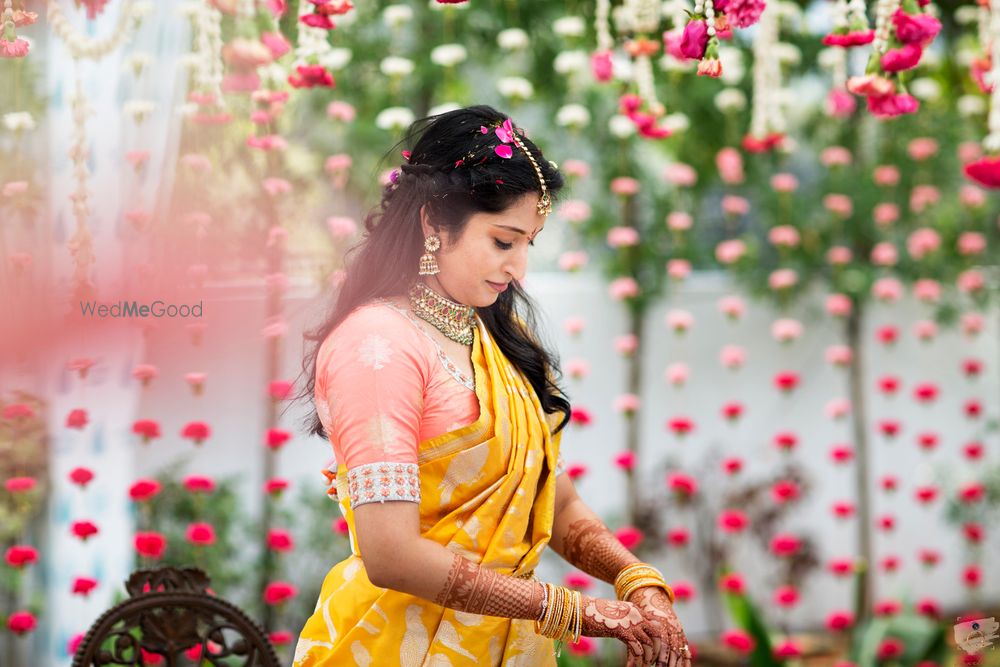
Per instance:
(491,251)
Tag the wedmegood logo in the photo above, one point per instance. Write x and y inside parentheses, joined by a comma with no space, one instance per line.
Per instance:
(975,636)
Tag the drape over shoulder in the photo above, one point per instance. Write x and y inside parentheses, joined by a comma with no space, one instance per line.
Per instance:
(483,472)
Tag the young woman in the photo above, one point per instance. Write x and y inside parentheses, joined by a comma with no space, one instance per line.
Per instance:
(445,421)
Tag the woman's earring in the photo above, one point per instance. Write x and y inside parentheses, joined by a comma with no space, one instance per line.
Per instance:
(428,264)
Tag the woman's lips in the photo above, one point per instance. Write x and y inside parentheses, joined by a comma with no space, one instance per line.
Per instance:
(500,287)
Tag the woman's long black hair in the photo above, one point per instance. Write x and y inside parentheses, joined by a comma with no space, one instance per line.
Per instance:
(454,171)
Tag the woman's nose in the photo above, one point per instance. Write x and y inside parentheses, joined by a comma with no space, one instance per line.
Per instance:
(517,265)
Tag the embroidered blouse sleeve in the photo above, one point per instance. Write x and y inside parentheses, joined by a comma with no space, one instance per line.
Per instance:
(375,370)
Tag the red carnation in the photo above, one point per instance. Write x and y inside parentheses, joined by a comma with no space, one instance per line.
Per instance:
(739,641)
(681,484)
(841,453)
(20,484)
(680,426)
(199,484)
(972,576)
(753,144)
(580,416)
(83,529)
(843,509)
(887,335)
(310,76)
(143,490)
(732,410)
(929,557)
(889,648)
(81,476)
(20,556)
(889,427)
(196,431)
(21,622)
(838,621)
(18,411)
(280,637)
(147,428)
(786,596)
(972,493)
(278,592)
(890,106)
(888,384)
(925,392)
(926,494)
(928,607)
(785,544)
(732,465)
(904,58)
(280,390)
(732,583)
(732,521)
(972,408)
(985,171)
(76,418)
(973,451)
(276,437)
(784,490)
(886,522)
(576,470)
(280,540)
(927,440)
(972,367)
(786,381)
(275,486)
(317,20)
(841,566)
(888,483)
(150,545)
(786,440)
(201,534)
(83,586)
(678,537)
(888,607)
(847,40)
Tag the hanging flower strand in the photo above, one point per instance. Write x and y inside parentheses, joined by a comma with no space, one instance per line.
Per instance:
(711,21)
(12,46)
(850,25)
(986,171)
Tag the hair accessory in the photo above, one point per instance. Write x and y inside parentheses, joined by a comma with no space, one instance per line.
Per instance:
(428,263)
(454,320)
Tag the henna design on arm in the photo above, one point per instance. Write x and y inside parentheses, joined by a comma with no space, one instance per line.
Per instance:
(590,546)
(477,590)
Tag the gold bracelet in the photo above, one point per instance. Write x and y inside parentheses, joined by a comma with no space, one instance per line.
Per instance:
(640,575)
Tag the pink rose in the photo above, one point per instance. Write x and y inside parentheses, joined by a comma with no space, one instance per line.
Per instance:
(679,221)
(694,40)
(904,58)
(915,29)
(601,66)
(730,252)
(735,205)
(890,106)
(729,162)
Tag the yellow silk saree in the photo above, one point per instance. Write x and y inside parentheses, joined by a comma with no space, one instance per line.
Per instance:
(488,494)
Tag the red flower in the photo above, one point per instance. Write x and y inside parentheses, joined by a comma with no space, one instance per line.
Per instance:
(972,367)
(732,583)
(786,596)
(20,556)
(317,21)
(886,522)
(280,540)
(576,470)
(694,39)
(841,453)
(196,431)
(753,144)
(929,557)
(889,563)
(985,171)
(76,418)
(917,29)
(733,521)
(927,440)
(678,537)
(680,426)
(280,637)
(890,106)
(889,428)
(310,76)
(738,640)
(889,648)
(578,581)
(18,411)
(276,437)
(841,566)
(20,484)
(972,576)
(971,493)
(888,384)
(786,440)
(150,545)
(785,544)
(843,509)
(21,622)
(83,586)
(328,8)
(928,607)
(629,536)
(81,476)
(280,390)
(888,483)
(926,494)
(784,490)
(839,620)
(681,484)
(147,428)
(897,60)
(732,410)
(83,529)
(340,526)
(580,416)
(732,465)
(925,392)
(973,451)
(278,592)
(887,335)
(683,590)
(275,486)
(143,490)
(846,40)
(583,646)
(201,534)
(199,484)
(786,381)
(887,607)
(972,408)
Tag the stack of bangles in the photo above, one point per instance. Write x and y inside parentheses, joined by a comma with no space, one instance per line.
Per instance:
(562,614)
(640,575)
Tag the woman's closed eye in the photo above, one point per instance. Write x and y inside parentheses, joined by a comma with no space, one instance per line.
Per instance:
(503,245)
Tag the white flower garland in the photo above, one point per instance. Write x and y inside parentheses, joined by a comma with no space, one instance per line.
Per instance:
(80,245)
(208,50)
(883,24)
(602,26)
(992,141)
(80,46)
(645,15)
(858,11)
(313,42)
(838,14)
(766,114)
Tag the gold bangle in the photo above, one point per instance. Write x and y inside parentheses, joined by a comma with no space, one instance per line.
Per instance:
(640,575)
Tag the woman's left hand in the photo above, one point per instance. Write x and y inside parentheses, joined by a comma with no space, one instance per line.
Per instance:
(672,642)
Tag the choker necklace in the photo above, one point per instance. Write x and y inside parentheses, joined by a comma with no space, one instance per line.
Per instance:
(452,319)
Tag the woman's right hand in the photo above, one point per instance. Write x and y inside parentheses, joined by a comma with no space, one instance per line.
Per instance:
(638,629)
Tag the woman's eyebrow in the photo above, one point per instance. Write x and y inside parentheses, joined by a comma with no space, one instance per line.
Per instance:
(517,229)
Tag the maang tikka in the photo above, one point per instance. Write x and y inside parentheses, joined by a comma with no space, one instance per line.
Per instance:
(428,263)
